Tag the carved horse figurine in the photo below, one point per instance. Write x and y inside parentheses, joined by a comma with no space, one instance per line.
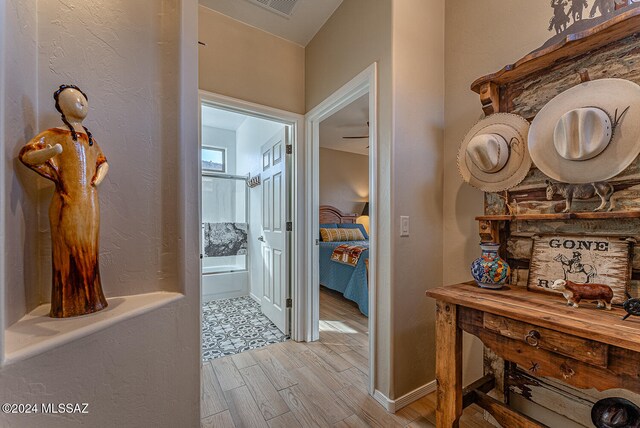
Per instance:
(577,6)
(560,18)
(575,266)
(580,191)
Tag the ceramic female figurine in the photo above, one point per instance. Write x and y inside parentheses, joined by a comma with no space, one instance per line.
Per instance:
(70,157)
(490,270)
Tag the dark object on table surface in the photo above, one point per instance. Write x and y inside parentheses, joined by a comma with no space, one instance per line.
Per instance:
(632,306)
(615,412)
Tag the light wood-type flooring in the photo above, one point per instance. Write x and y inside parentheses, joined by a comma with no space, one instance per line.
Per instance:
(320,384)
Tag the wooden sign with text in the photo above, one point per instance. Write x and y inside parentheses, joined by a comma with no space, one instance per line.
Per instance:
(583,260)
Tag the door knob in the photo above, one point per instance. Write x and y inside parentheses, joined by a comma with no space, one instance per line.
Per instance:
(261,238)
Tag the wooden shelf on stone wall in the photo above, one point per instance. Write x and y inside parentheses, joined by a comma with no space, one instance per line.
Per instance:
(574,45)
(587,215)
(489,231)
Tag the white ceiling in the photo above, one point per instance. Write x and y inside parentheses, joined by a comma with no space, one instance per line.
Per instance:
(307,17)
(350,121)
(221,119)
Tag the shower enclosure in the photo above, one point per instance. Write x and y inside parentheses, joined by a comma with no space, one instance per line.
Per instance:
(224,236)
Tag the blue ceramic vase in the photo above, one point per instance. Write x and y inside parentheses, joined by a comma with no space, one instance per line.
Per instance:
(490,271)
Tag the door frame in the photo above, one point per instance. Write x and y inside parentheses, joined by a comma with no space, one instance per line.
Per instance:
(296,121)
(363,83)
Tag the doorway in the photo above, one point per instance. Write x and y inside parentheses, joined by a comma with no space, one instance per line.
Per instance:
(246,210)
(343,216)
(360,284)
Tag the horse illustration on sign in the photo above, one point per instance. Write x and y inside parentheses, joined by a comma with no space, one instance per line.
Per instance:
(575,266)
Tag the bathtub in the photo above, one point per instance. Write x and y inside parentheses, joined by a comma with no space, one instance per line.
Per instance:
(221,282)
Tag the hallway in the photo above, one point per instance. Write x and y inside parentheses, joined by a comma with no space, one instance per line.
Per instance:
(320,384)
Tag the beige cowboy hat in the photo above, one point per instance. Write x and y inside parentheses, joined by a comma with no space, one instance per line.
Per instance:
(493,156)
(588,133)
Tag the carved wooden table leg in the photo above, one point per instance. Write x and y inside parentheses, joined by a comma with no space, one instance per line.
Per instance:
(448,366)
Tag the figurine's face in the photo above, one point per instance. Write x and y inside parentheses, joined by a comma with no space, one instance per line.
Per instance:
(73,104)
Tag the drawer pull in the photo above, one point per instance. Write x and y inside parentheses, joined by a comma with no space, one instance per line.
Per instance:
(532,338)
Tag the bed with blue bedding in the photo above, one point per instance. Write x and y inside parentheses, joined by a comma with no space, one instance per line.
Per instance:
(349,280)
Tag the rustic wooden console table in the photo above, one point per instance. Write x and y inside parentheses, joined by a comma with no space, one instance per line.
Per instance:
(584,347)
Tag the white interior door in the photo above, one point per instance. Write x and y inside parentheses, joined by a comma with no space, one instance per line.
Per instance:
(275,239)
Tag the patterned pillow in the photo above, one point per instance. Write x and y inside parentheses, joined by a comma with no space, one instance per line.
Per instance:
(339,235)
(354,226)
(328,226)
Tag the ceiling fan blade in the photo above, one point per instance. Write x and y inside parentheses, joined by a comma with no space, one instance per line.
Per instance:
(357,137)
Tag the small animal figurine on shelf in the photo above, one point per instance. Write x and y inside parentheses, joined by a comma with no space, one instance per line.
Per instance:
(574,293)
(580,191)
(631,306)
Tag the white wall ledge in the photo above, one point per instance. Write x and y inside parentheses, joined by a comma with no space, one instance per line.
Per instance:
(36,332)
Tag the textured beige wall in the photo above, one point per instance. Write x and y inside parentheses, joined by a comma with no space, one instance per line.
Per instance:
(132,89)
(344,180)
(418,135)
(357,35)
(21,272)
(517,27)
(243,62)
(127,56)
(406,38)
(481,38)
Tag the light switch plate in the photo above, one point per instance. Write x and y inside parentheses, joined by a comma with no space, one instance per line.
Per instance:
(404,225)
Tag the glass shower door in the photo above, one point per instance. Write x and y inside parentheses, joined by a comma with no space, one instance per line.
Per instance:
(224,224)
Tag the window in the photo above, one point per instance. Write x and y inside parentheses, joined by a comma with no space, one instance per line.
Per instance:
(214,159)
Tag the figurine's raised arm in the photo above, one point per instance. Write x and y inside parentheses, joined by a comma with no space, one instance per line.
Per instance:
(39,156)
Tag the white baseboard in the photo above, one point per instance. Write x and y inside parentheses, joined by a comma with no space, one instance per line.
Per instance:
(397,404)
(254,297)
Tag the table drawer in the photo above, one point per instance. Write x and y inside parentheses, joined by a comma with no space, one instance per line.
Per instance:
(577,348)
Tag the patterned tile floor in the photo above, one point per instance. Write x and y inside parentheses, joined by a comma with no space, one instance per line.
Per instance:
(231,326)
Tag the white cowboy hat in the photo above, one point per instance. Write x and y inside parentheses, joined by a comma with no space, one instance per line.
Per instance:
(493,156)
(588,133)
